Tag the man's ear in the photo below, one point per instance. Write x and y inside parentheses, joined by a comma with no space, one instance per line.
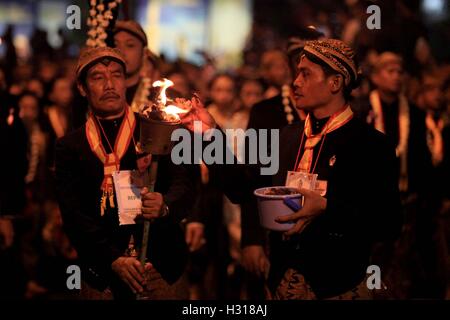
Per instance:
(81,89)
(336,83)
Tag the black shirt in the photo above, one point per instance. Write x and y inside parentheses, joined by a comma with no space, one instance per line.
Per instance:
(318,124)
(391,123)
(111,128)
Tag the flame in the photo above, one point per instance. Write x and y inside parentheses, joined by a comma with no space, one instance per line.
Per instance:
(165,83)
(171,109)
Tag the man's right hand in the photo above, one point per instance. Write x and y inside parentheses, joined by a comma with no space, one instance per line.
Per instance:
(131,272)
(197,113)
(195,235)
(255,260)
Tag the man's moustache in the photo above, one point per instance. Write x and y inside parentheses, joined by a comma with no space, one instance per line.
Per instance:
(109,95)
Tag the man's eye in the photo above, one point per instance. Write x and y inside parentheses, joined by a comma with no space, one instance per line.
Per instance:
(96,78)
(117,74)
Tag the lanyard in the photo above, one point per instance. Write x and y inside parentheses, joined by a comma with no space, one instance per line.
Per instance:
(300,149)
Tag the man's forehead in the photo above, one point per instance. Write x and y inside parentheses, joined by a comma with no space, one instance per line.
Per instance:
(62,81)
(393,65)
(28,98)
(389,67)
(304,62)
(103,65)
(124,35)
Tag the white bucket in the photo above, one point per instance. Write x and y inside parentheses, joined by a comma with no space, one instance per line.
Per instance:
(272,206)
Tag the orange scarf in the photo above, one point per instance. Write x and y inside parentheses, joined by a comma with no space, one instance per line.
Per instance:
(111,161)
(336,121)
(434,138)
(403,120)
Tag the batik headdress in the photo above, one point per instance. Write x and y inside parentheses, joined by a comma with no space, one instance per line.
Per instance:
(89,56)
(336,54)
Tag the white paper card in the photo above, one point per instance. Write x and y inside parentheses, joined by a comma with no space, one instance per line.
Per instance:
(304,180)
(128,185)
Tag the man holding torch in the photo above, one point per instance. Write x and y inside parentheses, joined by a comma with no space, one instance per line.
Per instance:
(86,160)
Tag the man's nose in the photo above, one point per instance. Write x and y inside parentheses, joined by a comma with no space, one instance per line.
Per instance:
(108,82)
(297,82)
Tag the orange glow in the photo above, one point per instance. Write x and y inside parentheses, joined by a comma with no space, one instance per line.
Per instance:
(172,111)
(165,83)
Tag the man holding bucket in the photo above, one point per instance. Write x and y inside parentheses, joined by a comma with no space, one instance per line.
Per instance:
(326,253)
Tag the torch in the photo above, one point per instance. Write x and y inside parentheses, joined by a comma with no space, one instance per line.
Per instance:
(158,121)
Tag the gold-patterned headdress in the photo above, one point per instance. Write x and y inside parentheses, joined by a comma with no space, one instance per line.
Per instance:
(89,56)
(336,54)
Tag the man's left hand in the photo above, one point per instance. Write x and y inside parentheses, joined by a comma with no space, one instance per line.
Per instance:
(314,205)
(152,205)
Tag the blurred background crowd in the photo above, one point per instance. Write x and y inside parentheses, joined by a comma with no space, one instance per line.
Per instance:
(234,55)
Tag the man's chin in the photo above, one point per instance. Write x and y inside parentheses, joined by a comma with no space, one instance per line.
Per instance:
(110,109)
(395,90)
(112,105)
(300,105)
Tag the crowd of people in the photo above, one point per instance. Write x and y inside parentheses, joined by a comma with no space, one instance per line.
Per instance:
(45,101)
